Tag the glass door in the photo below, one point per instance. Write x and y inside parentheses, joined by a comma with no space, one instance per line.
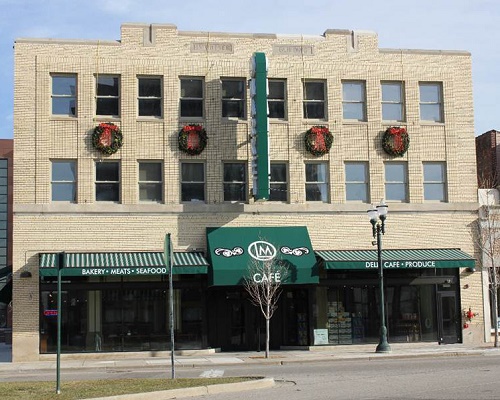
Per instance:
(448,318)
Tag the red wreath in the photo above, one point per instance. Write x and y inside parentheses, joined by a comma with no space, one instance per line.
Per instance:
(107,138)
(192,139)
(318,140)
(396,141)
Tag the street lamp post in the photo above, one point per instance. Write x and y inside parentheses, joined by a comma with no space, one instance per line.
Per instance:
(377,217)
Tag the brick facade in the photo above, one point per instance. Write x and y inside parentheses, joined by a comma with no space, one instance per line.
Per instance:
(41,225)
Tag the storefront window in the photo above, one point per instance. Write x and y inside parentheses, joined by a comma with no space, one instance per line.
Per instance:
(128,315)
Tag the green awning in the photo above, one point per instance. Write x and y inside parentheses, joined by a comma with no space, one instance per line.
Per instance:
(121,263)
(232,251)
(396,259)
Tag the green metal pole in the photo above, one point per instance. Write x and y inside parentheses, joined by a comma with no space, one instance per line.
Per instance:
(59,297)
(383,346)
(168,259)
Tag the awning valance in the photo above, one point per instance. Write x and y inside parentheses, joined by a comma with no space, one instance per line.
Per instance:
(232,251)
(396,259)
(122,263)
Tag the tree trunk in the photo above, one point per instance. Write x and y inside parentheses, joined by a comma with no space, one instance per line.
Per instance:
(268,336)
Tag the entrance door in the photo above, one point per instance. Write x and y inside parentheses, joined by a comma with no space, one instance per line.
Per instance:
(448,318)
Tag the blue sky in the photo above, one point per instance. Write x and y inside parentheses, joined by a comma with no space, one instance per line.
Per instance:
(471,25)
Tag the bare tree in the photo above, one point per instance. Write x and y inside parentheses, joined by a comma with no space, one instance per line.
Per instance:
(263,285)
(486,236)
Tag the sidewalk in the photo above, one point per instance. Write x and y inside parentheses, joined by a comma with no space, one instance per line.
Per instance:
(277,357)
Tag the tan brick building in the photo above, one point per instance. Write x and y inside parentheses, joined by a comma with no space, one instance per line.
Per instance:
(71,197)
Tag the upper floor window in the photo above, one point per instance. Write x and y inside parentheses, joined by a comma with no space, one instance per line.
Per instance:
(192,181)
(396,181)
(276,98)
(314,100)
(233,98)
(434,181)
(108,95)
(356,181)
(191,101)
(278,182)
(317,182)
(149,99)
(431,102)
(64,95)
(150,182)
(235,181)
(392,101)
(107,181)
(63,181)
(354,100)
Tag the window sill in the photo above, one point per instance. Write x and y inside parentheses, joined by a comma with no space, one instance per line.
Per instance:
(63,117)
(392,123)
(233,120)
(278,121)
(149,119)
(103,118)
(314,121)
(192,119)
(431,123)
(354,122)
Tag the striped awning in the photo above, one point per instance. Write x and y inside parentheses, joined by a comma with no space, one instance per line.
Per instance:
(122,263)
(396,259)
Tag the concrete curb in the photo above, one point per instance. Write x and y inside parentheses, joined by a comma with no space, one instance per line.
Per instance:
(195,391)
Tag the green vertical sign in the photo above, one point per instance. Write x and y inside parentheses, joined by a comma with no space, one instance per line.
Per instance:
(260,128)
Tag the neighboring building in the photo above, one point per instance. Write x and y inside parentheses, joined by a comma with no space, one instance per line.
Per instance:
(487,148)
(109,213)
(6,161)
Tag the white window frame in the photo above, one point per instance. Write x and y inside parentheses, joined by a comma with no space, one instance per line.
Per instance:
(242,184)
(403,183)
(183,98)
(55,182)
(364,183)
(158,99)
(117,183)
(346,101)
(183,182)
(278,183)
(147,182)
(307,101)
(68,97)
(400,103)
(108,97)
(324,184)
(442,182)
(438,103)
(278,100)
(241,100)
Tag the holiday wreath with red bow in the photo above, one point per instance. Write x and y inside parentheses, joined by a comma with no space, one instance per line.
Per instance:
(396,141)
(318,140)
(107,138)
(192,139)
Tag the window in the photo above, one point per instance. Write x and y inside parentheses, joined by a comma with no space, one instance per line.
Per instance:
(108,95)
(192,182)
(107,181)
(431,102)
(392,101)
(150,182)
(356,181)
(233,98)
(191,102)
(278,182)
(353,101)
(149,97)
(434,181)
(316,182)
(396,181)
(276,98)
(64,181)
(235,181)
(64,95)
(314,100)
